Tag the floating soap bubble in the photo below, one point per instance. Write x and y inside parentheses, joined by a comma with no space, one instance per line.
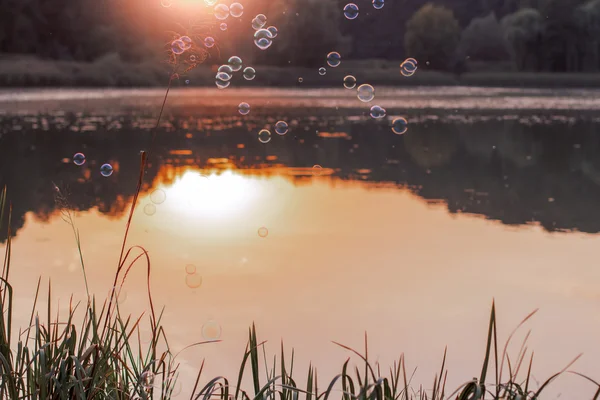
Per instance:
(349,82)
(223,26)
(225,68)
(351,11)
(193,281)
(106,170)
(378,4)
(187,81)
(249,73)
(158,196)
(190,269)
(322,71)
(221,84)
(178,46)
(166,3)
(408,67)
(147,380)
(399,126)
(235,63)
(281,127)
(150,209)
(193,58)
(209,42)
(118,293)
(264,136)
(210,3)
(236,10)
(221,11)
(377,112)
(223,76)
(273,31)
(211,330)
(334,59)
(263,232)
(187,42)
(79,159)
(244,108)
(317,170)
(300,79)
(365,93)
(263,39)
(259,22)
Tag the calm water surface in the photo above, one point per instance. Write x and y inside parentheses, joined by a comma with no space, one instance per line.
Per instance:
(491,194)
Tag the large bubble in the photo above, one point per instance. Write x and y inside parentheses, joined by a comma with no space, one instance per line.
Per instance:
(178,46)
(221,11)
(334,59)
(273,31)
(263,39)
(259,22)
(378,4)
(351,11)
(249,73)
(236,10)
(222,83)
(349,82)
(244,108)
(224,76)
(79,159)
(235,63)
(209,42)
(225,68)
(281,127)
(365,93)
(264,136)
(106,170)
(399,126)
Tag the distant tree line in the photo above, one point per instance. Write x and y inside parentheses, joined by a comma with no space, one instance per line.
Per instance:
(524,35)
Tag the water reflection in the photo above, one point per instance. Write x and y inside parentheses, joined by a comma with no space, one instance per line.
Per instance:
(541,169)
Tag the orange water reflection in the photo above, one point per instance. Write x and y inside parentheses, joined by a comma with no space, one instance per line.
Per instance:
(340,257)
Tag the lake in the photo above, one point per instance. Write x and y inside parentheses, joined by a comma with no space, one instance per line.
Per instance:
(337,227)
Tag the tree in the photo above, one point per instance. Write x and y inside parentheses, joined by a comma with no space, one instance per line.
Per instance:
(432,35)
(484,40)
(524,30)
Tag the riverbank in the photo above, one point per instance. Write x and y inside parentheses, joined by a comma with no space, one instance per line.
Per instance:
(110,71)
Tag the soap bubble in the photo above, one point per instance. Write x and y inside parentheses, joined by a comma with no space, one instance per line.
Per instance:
(408,67)
(187,81)
(210,3)
(178,46)
(190,269)
(334,59)
(263,39)
(193,281)
(236,10)
(349,82)
(351,11)
(150,209)
(377,112)
(400,126)
(365,93)
(378,4)
(317,170)
(223,76)
(158,196)
(187,42)
(259,22)
(300,79)
(281,127)
(166,3)
(235,63)
(223,26)
(322,71)
(209,42)
(225,68)
(222,84)
(118,293)
(147,380)
(79,159)
(221,11)
(106,170)
(263,232)
(244,108)
(249,73)
(193,58)
(264,136)
(273,31)
(211,330)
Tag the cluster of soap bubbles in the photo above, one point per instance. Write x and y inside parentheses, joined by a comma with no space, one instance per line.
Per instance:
(225,72)
(181,45)
(263,37)
(281,128)
(377,112)
(222,11)
(157,197)
(408,67)
(193,279)
(106,170)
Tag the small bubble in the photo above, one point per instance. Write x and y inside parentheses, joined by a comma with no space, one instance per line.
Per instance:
(236,10)
(263,232)
(249,73)
(351,11)
(377,112)
(235,63)
(264,136)
(158,196)
(349,82)
(193,281)
(190,269)
(221,11)
(79,159)
(281,127)
(211,330)
(400,126)
(322,71)
(273,31)
(149,209)
(193,58)
(187,81)
(378,4)
(300,79)
(244,108)
(106,170)
(209,42)
(317,170)
(147,380)
(223,26)
(334,59)
(365,93)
